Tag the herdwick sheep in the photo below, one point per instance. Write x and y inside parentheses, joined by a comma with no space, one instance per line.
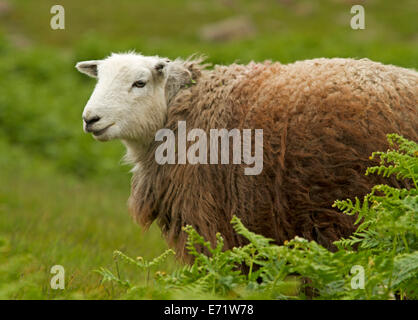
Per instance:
(321,120)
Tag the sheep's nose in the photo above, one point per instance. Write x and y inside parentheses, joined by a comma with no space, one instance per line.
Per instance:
(91,120)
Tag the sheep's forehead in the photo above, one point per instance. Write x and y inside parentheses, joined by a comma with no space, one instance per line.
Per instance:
(127,67)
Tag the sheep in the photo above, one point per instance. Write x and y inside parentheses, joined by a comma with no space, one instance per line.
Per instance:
(321,120)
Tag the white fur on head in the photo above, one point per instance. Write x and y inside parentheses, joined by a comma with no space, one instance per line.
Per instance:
(131,96)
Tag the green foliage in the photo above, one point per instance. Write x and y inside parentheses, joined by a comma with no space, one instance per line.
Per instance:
(385,242)
(388,215)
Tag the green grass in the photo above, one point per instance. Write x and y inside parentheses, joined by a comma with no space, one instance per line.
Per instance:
(62,194)
(166,27)
(49,218)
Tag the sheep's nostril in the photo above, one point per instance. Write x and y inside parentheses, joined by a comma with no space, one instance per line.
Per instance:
(91,120)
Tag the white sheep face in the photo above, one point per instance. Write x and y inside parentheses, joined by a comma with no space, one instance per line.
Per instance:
(129,100)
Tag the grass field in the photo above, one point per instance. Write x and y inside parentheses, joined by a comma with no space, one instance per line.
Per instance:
(62,195)
(49,218)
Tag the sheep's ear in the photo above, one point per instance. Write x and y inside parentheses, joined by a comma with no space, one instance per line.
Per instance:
(177,76)
(88,67)
(161,67)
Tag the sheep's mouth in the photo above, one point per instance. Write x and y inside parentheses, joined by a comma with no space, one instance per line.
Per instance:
(97,133)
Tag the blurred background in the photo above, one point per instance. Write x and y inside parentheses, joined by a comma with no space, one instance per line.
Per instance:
(62,194)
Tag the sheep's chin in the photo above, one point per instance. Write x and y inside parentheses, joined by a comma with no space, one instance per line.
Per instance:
(109,134)
(102,138)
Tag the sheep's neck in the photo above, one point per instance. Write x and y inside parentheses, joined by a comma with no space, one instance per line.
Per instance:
(135,151)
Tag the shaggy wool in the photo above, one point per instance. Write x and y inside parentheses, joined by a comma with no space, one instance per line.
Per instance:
(321,121)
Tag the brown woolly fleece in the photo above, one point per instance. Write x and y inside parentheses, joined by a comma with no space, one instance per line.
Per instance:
(321,121)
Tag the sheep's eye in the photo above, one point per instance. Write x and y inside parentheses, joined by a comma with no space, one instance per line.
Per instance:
(139,84)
